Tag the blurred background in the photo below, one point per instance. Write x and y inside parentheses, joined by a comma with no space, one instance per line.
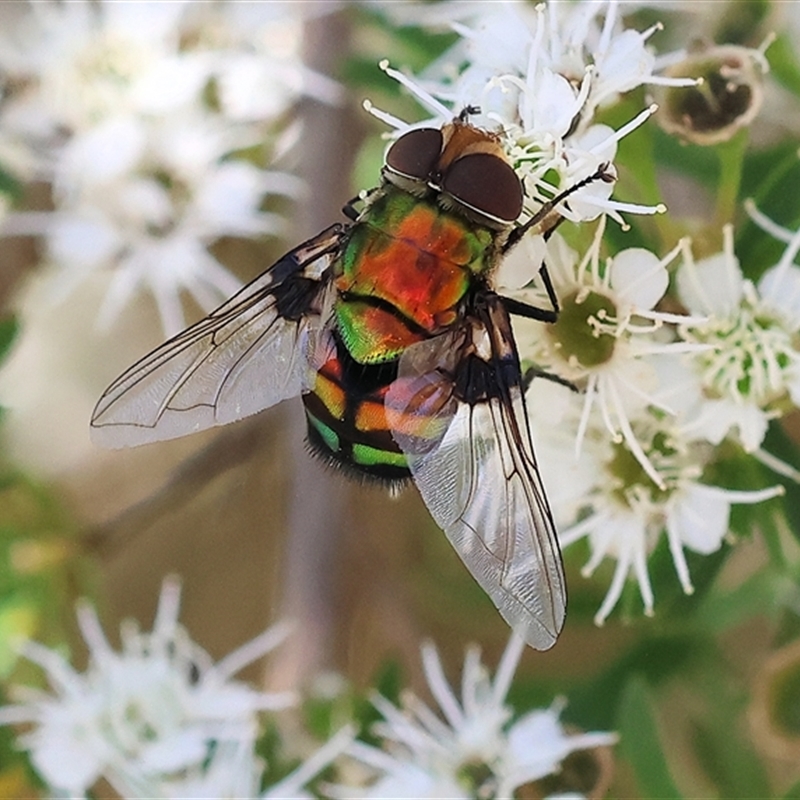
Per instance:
(256,528)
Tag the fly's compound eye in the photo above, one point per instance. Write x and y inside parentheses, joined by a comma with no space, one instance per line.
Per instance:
(414,154)
(485,183)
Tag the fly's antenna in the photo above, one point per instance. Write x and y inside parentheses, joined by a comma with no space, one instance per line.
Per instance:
(603,173)
(467,112)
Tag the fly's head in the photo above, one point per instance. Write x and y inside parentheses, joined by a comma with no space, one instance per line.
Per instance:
(464,166)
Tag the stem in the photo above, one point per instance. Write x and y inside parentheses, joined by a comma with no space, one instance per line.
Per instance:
(316,514)
(731,162)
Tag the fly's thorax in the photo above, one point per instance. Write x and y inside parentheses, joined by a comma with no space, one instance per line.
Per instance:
(404,273)
(428,224)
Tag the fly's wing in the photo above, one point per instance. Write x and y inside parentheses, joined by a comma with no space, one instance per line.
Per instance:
(243,357)
(459,416)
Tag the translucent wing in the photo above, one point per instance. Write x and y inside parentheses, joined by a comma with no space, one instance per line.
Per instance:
(243,357)
(458,412)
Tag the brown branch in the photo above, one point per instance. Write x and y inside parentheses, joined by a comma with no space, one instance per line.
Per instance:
(233,446)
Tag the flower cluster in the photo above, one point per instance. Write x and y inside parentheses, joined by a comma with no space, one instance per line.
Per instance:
(158,718)
(149,121)
(537,75)
(625,460)
(662,377)
(477,750)
(751,372)
(666,387)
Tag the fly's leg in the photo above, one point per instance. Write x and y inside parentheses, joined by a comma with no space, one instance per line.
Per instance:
(535,372)
(349,208)
(550,315)
(551,292)
(520,309)
(524,309)
(467,112)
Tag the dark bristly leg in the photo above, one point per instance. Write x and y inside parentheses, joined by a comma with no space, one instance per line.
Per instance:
(520,309)
(535,372)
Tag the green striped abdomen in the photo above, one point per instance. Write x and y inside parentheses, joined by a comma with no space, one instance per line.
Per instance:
(346,416)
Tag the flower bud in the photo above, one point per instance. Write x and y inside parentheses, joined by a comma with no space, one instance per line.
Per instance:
(728,96)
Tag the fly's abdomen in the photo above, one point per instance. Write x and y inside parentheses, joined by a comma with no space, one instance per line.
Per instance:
(405,270)
(346,415)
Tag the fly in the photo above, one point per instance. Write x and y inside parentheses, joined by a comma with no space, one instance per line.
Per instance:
(388,328)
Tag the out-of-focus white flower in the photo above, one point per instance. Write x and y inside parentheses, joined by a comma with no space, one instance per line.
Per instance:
(537,75)
(291,787)
(139,114)
(80,63)
(751,374)
(158,708)
(119,214)
(233,771)
(477,749)
(566,796)
(616,504)
(604,337)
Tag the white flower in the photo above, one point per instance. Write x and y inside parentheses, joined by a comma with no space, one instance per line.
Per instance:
(604,339)
(537,76)
(81,62)
(752,372)
(119,215)
(234,771)
(137,115)
(477,749)
(157,708)
(616,504)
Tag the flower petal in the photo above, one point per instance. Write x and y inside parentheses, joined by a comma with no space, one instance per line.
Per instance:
(639,277)
(701,515)
(712,285)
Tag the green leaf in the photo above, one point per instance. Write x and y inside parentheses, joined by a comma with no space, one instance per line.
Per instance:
(270,748)
(793,793)
(720,739)
(723,610)
(18,620)
(769,177)
(9,184)
(688,159)
(735,469)
(412,47)
(671,601)
(740,23)
(389,680)
(783,63)
(8,332)
(595,705)
(779,444)
(640,743)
